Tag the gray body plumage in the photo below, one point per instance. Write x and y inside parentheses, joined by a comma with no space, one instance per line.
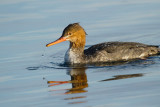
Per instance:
(118,51)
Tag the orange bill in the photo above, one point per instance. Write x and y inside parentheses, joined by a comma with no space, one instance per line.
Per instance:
(61,39)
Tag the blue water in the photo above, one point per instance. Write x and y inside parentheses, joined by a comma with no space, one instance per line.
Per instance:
(26,65)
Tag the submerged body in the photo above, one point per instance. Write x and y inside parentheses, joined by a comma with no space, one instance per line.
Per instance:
(103,52)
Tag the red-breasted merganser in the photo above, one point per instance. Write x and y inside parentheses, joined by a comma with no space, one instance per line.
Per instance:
(103,52)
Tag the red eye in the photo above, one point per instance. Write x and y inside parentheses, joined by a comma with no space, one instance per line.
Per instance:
(69,33)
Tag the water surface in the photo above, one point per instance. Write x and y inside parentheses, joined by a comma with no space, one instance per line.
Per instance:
(33,75)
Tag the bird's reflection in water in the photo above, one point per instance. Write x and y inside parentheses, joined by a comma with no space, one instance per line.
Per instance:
(117,77)
(79,77)
(78,81)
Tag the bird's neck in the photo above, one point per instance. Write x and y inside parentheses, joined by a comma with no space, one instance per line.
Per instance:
(75,54)
(77,47)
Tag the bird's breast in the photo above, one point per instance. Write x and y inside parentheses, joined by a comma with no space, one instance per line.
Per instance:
(72,56)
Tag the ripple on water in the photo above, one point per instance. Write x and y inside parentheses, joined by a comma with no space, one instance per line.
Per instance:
(139,63)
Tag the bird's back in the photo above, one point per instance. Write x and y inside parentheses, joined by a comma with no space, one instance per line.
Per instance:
(116,51)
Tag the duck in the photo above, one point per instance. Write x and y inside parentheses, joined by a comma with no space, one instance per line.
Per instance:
(102,52)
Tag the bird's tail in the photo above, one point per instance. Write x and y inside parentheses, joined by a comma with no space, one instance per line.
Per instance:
(159,49)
